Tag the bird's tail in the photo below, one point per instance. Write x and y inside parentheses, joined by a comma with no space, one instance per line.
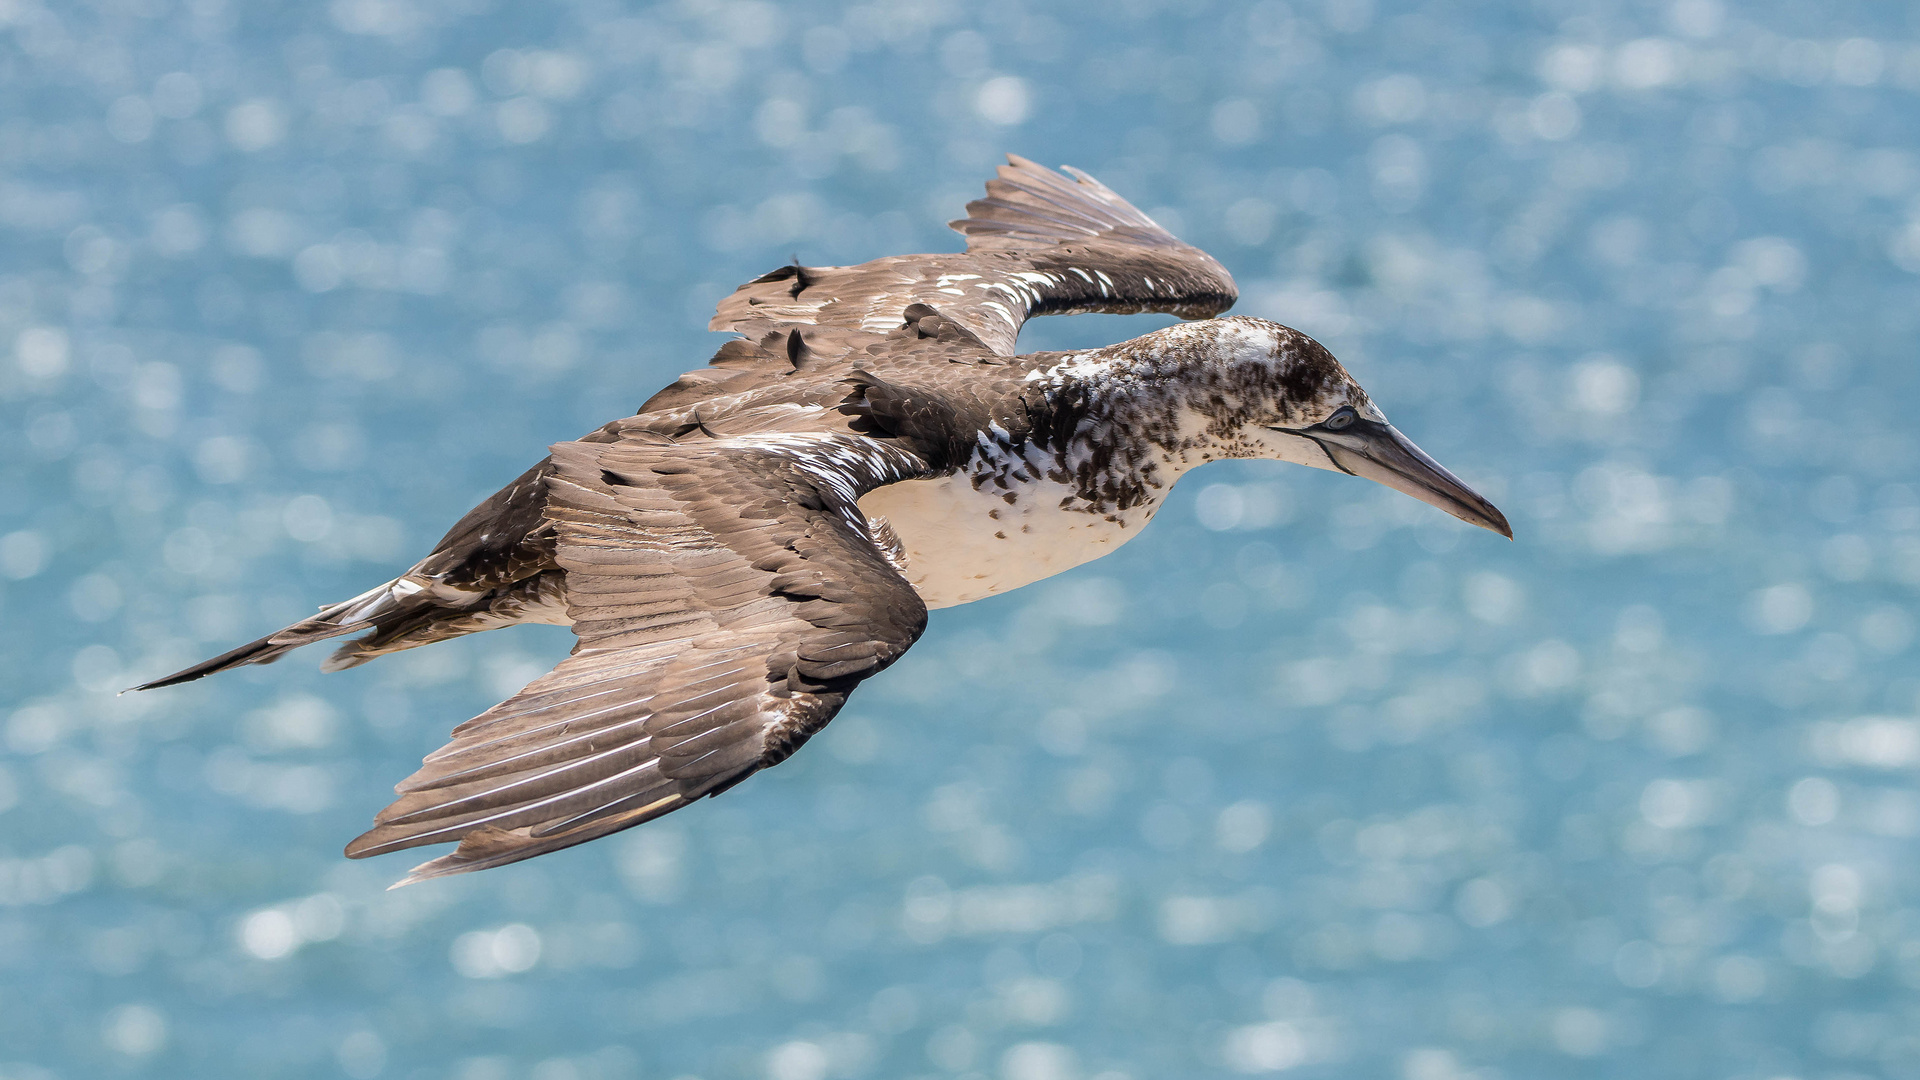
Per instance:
(383,604)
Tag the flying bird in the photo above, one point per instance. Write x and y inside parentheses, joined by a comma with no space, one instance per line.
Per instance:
(772,529)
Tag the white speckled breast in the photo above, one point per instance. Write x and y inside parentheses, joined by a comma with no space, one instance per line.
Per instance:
(964,544)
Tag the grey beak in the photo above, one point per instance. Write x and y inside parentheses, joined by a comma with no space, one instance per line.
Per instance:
(1380,453)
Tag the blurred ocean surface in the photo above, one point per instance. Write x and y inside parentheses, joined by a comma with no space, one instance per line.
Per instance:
(1310,779)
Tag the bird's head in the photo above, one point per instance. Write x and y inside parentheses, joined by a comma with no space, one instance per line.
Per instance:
(1273,392)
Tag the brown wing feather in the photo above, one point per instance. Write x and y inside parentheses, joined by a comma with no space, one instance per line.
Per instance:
(727,598)
(1029,207)
(1038,244)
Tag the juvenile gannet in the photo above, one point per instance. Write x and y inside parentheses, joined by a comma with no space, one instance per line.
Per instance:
(772,529)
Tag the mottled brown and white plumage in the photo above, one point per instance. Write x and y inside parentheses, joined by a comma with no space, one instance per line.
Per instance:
(771,530)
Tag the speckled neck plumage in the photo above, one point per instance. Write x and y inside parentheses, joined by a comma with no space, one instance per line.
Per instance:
(1138,414)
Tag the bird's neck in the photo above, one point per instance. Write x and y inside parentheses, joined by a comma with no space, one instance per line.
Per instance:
(1177,397)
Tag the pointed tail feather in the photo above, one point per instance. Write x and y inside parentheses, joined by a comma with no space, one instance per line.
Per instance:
(368,609)
(263,651)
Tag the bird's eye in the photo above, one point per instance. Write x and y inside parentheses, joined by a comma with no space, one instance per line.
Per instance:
(1338,420)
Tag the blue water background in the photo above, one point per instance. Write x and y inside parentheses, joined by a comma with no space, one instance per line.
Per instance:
(1309,780)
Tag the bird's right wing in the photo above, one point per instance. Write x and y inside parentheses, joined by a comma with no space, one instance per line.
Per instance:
(1038,244)
(727,596)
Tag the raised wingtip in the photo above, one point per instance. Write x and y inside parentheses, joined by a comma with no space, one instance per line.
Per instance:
(1018,162)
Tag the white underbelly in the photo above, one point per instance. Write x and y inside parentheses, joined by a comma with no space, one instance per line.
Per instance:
(962,545)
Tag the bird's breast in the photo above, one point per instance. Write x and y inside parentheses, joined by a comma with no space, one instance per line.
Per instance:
(986,530)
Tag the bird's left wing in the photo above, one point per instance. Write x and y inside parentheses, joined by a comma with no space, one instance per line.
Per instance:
(1040,243)
(728,595)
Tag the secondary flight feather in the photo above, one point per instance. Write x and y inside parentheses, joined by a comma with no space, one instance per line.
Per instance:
(771,530)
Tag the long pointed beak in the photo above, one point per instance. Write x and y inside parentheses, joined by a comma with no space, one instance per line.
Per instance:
(1380,453)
